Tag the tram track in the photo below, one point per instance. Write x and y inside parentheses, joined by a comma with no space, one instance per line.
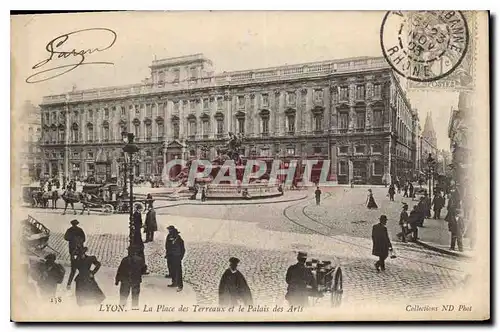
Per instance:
(288,216)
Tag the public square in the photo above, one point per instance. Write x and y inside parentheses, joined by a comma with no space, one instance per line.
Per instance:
(265,236)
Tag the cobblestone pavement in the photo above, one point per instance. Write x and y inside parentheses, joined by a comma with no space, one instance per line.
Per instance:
(266,238)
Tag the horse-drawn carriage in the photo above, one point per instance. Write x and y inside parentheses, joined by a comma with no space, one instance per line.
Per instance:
(39,198)
(108,198)
(328,280)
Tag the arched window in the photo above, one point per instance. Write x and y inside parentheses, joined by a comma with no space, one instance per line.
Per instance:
(90,132)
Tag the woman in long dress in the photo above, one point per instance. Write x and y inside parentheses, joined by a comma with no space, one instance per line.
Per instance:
(87,290)
(370,201)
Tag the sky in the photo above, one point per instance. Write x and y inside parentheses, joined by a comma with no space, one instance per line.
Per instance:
(232,40)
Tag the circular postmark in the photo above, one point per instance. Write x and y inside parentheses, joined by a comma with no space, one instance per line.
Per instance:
(424,46)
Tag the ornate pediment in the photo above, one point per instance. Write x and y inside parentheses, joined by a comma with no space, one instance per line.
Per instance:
(74,126)
(159,120)
(290,110)
(219,115)
(148,121)
(175,144)
(136,121)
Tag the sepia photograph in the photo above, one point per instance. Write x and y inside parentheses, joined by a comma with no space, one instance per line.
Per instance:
(259,166)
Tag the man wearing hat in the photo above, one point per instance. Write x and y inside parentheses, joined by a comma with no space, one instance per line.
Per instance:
(175,250)
(76,238)
(169,236)
(49,275)
(129,274)
(298,277)
(151,225)
(403,222)
(137,240)
(233,287)
(381,242)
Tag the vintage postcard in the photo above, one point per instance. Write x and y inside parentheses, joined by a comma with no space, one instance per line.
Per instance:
(250,166)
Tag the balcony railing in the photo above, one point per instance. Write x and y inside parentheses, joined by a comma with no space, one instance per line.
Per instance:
(305,70)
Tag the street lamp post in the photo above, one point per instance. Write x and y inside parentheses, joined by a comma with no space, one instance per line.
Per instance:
(430,163)
(129,150)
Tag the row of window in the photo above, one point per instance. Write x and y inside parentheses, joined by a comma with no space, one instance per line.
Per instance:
(359,92)
(88,154)
(359,168)
(290,121)
(360,119)
(290,99)
(361,149)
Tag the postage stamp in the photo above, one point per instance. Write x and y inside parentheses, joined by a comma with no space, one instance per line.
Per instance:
(462,78)
(424,46)
(225,166)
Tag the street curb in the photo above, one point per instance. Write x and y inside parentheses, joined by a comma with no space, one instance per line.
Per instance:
(432,247)
(234,203)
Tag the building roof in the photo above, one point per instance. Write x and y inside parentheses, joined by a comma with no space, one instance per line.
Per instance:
(235,78)
(429,133)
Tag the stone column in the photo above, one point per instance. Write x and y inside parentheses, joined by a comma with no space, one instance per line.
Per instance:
(228,112)
(278,113)
(98,124)
(154,124)
(66,140)
(307,113)
(369,117)
(352,112)
(333,160)
(182,120)
(251,118)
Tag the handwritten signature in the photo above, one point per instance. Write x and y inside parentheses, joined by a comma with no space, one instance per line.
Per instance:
(56,49)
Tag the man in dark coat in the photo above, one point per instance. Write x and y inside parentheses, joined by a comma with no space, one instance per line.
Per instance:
(410,189)
(392,192)
(175,250)
(403,222)
(233,287)
(414,222)
(151,225)
(168,238)
(317,193)
(129,274)
(381,243)
(137,239)
(422,211)
(298,277)
(50,274)
(438,204)
(427,205)
(456,228)
(76,238)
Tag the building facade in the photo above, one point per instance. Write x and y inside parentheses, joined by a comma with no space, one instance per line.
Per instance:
(352,112)
(31,161)
(460,134)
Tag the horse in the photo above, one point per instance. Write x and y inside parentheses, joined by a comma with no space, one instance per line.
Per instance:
(40,198)
(54,198)
(74,197)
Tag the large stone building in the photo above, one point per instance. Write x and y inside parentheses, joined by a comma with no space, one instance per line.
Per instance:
(352,112)
(30,128)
